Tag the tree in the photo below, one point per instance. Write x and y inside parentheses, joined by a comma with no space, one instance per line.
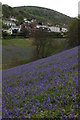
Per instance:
(43,42)
(40,40)
(73,33)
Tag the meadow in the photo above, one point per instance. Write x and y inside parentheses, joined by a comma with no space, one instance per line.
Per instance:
(16,51)
(46,88)
(19,51)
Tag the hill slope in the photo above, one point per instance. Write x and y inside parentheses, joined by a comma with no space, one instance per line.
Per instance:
(45,88)
(40,14)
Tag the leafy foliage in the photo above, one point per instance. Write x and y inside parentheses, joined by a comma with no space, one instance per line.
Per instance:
(7,11)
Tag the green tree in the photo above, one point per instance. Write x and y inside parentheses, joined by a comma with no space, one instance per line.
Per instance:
(73,33)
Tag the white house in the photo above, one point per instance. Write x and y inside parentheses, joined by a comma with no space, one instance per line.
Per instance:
(9,23)
(41,26)
(25,19)
(16,28)
(64,30)
(10,30)
(13,19)
(54,29)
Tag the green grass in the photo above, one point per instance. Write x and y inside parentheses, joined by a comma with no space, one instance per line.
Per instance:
(23,46)
(24,42)
(11,64)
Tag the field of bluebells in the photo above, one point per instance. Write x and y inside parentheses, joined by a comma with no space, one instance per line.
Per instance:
(46,88)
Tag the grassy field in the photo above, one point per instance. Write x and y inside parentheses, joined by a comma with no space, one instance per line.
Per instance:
(19,51)
(17,42)
(16,51)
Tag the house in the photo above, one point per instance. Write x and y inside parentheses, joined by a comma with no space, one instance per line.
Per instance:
(7,31)
(16,28)
(64,30)
(54,29)
(12,29)
(26,21)
(41,26)
(9,23)
(29,25)
(13,19)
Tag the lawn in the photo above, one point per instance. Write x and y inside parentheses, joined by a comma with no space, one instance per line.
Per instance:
(46,88)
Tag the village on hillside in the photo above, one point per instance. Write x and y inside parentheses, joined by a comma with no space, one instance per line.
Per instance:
(12,27)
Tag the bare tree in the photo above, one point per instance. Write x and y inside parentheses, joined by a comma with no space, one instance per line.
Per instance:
(40,40)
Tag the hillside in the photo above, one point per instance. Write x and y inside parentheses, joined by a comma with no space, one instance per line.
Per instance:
(40,14)
(46,88)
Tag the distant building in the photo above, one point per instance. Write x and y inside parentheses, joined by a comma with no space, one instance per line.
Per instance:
(12,29)
(29,25)
(25,26)
(18,28)
(25,19)
(41,26)
(58,29)
(33,24)
(12,19)
(7,31)
(64,30)
(9,23)
(54,29)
